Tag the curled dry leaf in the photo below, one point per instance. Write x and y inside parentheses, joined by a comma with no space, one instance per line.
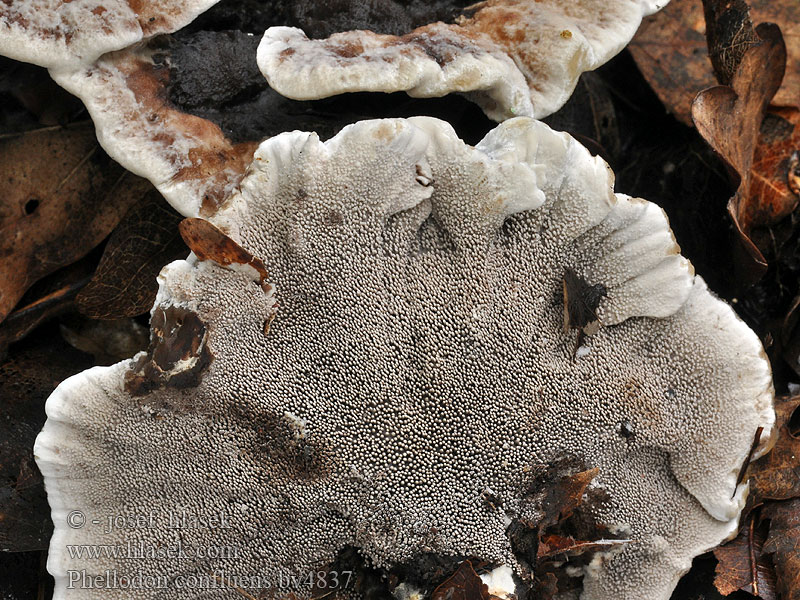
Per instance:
(670,49)
(51,296)
(55,204)
(124,284)
(783,543)
(729,118)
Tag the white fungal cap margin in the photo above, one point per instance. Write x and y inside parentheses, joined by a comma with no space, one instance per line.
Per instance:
(416,333)
(67,35)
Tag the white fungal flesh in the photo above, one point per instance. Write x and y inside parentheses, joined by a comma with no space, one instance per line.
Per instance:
(500,582)
(513,57)
(306,69)
(67,35)
(187,158)
(418,358)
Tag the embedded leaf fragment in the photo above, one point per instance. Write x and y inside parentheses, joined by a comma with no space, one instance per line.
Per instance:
(580,301)
(565,496)
(208,242)
(177,356)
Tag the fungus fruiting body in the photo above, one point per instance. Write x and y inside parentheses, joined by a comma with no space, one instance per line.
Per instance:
(513,57)
(66,35)
(407,353)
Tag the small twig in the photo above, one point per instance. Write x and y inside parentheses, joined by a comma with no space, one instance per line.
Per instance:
(746,462)
(751,550)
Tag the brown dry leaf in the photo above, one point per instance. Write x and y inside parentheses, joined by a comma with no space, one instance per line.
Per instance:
(32,371)
(51,296)
(790,336)
(124,284)
(729,118)
(775,174)
(776,476)
(60,195)
(107,341)
(672,54)
(210,243)
(743,565)
(784,543)
(464,584)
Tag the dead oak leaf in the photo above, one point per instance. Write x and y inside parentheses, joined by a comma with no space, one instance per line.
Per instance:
(775,173)
(51,296)
(60,196)
(124,284)
(670,50)
(776,476)
(783,543)
(743,565)
(730,117)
